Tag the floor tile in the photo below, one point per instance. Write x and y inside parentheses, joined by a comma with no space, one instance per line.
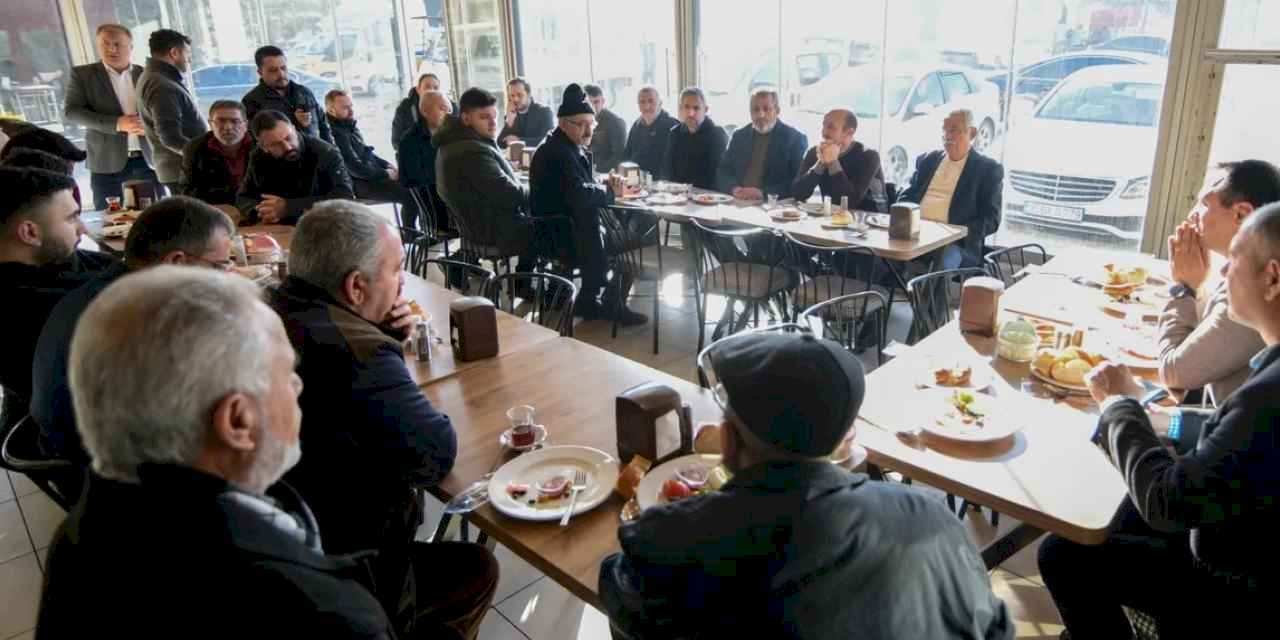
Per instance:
(514,574)
(546,611)
(14,540)
(22,485)
(43,516)
(25,635)
(496,627)
(20,580)
(6,487)
(42,556)
(1029,605)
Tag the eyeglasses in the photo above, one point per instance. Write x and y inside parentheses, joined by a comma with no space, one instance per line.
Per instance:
(706,368)
(582,124)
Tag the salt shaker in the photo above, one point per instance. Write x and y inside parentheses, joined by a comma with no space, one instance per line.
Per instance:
(422,341)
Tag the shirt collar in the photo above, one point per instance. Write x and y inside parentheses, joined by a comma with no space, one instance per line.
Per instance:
(117,74)
(1264,357)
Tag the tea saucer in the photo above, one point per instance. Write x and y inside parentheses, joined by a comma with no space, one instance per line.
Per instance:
(539,436)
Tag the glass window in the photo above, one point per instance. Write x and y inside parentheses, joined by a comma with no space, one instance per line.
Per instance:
(34,65)
(732,63)
(1236,134)
(928,96)
(955,85)
(1250,24)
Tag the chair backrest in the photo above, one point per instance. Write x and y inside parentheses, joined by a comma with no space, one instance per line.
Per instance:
(625,235)
(828,272)
(550,302)
(843,318)
(934,297)
(464,277)
(890,192)
(20,453)
(1006,263)
(416,245)
(737,250)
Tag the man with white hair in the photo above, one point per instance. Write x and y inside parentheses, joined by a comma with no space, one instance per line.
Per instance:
(764,158)
(369,434)
(183,456)
(957,185)
(1196,533)
(647,141)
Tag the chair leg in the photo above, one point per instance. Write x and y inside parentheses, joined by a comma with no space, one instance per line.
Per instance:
(655,314)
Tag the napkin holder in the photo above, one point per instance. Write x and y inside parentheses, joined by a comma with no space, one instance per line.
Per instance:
(904,221)
(473,328)
(515,152)
(980,305)
(526,159)
(654,423)
(630,172)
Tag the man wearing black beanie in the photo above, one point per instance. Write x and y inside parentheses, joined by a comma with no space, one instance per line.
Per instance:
(794,546)
(561,182)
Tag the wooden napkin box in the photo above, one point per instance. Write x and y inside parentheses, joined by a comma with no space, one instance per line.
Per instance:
(980,305)
(473,328)
(654,423)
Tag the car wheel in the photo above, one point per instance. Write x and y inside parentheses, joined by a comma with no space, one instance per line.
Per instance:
(897,168)
(986,135)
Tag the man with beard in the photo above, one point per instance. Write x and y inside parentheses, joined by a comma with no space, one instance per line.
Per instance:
(370,435)
(170,117)
(372,177)
(277,92)
(764,158)
(526,120)
(214,164)
(181,497)
(39,264)
(697,144)
(288,173)
(647,140)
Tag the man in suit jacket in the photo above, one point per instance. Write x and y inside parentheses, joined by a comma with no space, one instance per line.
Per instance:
(967,191)
(1196,534)
(169,113)
(101,98)
(764,158)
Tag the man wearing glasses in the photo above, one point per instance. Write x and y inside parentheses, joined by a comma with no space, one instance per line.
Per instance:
(214,164)
(794,546)
(176,230)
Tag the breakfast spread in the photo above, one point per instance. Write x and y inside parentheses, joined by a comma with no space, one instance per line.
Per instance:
(693,480)
(631,476)
(841,219)
(1068,365)
(953,376)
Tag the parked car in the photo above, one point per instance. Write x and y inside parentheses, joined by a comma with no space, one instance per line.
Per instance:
(916,98)
(731,101)
(1083,161)
(1154,45)
(232,81)
(1037,79)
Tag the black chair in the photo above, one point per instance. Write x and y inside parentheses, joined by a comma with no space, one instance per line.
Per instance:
(1007,263)
(626,234)
(20,453)
(542,298)
(745,266)
(890,192)
(430,218)
(934,298)
(463,277)
(852,319)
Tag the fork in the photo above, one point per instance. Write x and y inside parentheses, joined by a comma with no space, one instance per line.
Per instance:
(579,484)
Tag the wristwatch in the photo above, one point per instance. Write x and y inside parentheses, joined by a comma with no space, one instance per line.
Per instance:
(1179,290)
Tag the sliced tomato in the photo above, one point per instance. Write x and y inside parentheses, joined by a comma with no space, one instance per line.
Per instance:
(674,489)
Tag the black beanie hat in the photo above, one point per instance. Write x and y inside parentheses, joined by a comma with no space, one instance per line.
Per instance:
(574,102)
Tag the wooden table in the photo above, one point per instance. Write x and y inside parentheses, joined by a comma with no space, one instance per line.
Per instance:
(1049,293)
(573,386)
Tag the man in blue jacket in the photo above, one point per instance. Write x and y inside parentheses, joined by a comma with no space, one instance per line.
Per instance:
(369,435)
(959,186)
(764,158)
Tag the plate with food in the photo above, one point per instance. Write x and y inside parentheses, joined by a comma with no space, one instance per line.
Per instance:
(667,199)
(1136,350)
(536,485)
(967,416)
(878,220)
(116,230)
(712,198)
(1136,303)
(127,216)
(839,220)
(1114,275)
(786,215)
(813,208)
(674,480)
(1065,368)
(636,194)
(955,374)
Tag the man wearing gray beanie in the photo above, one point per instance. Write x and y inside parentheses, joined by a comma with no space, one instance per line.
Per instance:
(794,546)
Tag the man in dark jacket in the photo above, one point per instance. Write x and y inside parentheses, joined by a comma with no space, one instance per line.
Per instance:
(169,113)
(176,230)
(370,435)
(1196,534)
(372,178)
(214,164)
(182,460)
(277,92)
(39,264)
(101,98)
(409,113)
(561,183)
(417,155)
(647,140)
(840,167)
(957,185)
(794,546)
(479,182)
(526,120)
(697,144)
(610,137)
(764,158)
(288,173)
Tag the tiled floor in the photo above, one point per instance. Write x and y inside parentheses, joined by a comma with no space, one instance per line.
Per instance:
(527,606)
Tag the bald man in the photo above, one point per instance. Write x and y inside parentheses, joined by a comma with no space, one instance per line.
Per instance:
(840,167)
(417,154)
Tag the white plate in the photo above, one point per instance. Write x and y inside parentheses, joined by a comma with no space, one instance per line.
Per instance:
(813,208)
(781,218)
(539,436)
(853,226)
(122,217)
(712,198)
(647,493)
(667,199)
(1150,313)
(880,220)
(1001,420)
(536,466)
(980,378)
(116,231)
(1075,389)
(638,195)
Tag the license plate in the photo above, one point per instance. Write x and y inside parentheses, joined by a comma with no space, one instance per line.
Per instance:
(1074,214)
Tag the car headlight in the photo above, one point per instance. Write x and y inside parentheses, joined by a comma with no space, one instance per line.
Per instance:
(1137,188)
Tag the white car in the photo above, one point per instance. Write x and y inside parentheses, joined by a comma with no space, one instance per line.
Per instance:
(916,100)
(1082,161)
